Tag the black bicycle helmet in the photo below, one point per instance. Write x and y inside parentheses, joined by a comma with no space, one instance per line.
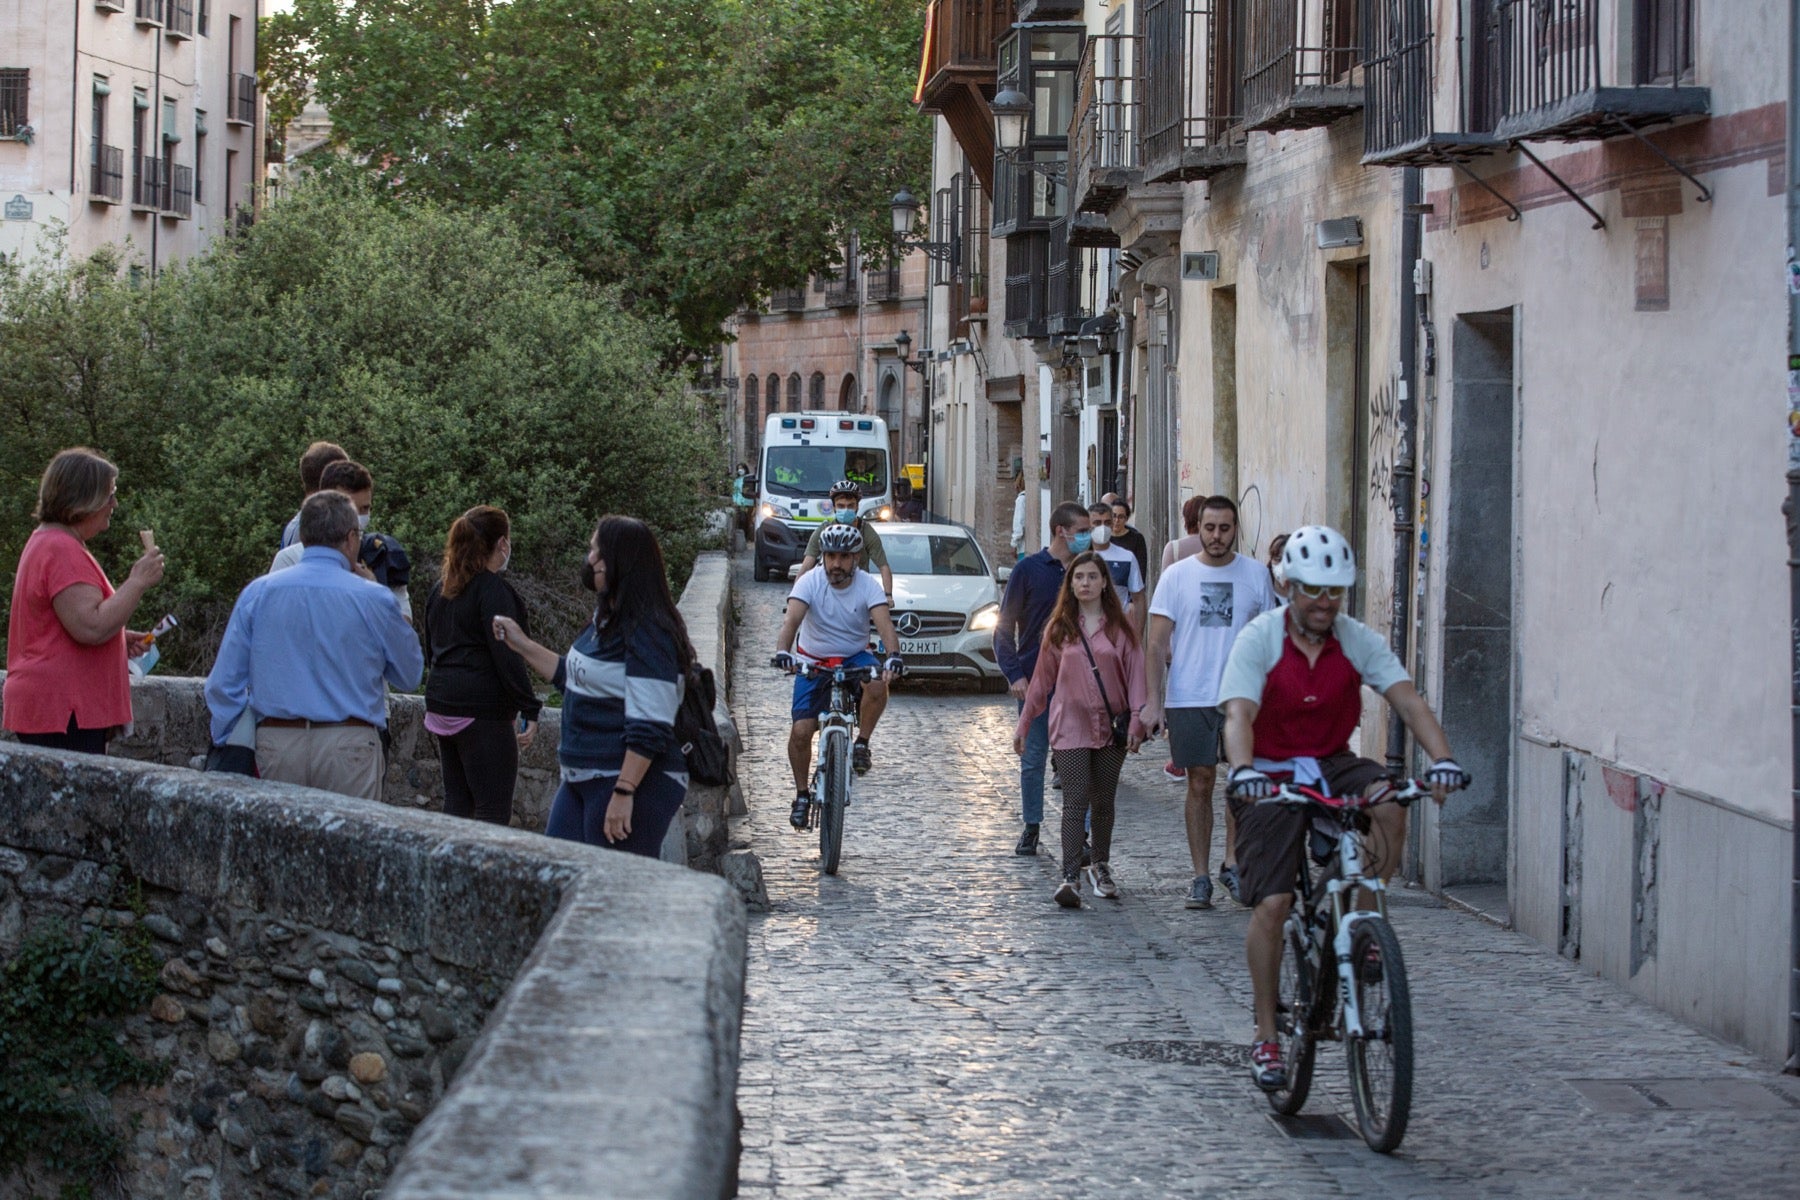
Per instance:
(840,539)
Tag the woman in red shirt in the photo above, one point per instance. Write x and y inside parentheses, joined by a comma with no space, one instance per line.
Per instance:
(66,643)
(1091,669)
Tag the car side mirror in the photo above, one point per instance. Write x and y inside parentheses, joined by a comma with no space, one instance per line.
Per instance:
(1002,575)
(751,486)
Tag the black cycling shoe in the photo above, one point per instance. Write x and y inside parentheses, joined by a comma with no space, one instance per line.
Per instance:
(797,817)
(859,758)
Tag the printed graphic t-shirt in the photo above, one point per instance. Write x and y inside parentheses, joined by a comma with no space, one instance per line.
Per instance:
(836,624)
(1208,606)
(1122,566)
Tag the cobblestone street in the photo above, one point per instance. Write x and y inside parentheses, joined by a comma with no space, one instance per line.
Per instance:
(929,1023)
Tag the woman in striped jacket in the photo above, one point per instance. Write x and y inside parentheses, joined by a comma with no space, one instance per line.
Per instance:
(623,774)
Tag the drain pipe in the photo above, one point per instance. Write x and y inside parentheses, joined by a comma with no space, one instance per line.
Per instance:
(1791,510)
(1405,469)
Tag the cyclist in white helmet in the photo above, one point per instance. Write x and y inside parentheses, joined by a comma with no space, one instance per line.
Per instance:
(828,616)
(1292,695)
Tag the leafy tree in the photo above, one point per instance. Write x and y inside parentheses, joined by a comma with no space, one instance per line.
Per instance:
(694,152)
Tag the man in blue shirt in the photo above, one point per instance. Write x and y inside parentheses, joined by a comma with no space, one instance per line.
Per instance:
(1024,608)
(308,648)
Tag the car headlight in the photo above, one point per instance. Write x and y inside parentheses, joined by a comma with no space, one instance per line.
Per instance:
(986,617)
(765,512)
(885,514)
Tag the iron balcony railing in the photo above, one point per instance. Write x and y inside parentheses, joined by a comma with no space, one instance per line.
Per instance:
(178,191)
(178,18)
(787,300)
(1560,82)
(1103,145)
(840,290)
(107,179)
(243,97)
(884,284)
(1407,119)
(1192,70)
(1300,63)
(146,182)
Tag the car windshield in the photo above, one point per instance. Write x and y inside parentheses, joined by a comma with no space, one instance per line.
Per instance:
(811,470)
(932,554)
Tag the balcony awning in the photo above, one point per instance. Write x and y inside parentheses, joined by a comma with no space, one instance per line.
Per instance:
(925,54)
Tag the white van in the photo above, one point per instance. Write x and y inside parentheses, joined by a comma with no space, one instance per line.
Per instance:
(803,454)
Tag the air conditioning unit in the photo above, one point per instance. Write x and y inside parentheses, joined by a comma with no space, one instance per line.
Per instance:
(1201,266)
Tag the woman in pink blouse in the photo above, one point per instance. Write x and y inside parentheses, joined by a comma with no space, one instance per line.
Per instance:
(66,643)
(1091,670)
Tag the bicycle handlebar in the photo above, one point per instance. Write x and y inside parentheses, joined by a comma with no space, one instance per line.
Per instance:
(1299,794)
(806,670)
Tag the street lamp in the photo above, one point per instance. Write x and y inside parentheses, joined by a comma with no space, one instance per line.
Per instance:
(1012,115)
(903,209)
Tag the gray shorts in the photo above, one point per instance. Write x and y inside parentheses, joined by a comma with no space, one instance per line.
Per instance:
(1194,736)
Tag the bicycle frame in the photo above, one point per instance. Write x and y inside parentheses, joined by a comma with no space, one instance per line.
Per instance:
(839,719)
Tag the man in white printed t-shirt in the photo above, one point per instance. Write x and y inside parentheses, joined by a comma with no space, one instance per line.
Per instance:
(828,617)
(1200,605)
(1121,566)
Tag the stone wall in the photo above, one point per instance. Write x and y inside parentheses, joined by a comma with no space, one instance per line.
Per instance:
(170,726)
(335,973)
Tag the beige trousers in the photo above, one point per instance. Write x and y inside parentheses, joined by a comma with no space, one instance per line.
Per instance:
(345,759)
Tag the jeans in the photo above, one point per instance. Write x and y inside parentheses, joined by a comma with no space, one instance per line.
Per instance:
(1031,768)
(578,813)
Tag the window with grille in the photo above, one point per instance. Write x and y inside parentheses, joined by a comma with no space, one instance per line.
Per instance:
(1664,36)
(15,94)
(815,391)
(752,419)
(793,392)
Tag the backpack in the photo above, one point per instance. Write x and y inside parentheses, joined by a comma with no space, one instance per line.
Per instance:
(708,758)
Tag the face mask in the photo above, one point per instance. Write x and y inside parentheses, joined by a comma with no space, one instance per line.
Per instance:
(844,516)
(1102,535)
(587,575)
(506,561)
(362,521)
(1081,543)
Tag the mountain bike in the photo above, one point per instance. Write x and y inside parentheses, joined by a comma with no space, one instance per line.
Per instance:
(832,775)
(1370,1010)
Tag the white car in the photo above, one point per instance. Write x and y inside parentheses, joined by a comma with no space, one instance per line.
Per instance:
(946,602)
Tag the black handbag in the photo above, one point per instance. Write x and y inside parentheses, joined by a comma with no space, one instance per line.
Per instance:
(1120,721)
(708,757)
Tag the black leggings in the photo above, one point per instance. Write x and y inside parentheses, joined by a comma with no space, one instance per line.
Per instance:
(82,741)
(1090,779)
(481,765)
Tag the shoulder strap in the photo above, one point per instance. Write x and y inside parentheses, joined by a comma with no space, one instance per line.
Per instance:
(1094,666)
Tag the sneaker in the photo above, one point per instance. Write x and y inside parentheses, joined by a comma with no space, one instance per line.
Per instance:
(1266,1067)
(1228,876)
(1067,894)
(1173,772)
(859,758)
(1200,892)
(1028,842)
(1100,881)
(797,817)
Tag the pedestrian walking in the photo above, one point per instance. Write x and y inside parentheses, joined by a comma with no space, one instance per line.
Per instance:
(1188,544)
(1017,540)
(1024,608)
(1121,566)
(1277,544)
(313,462)
(1200,604)
(1089,684)
(67,686)
(623,774)
(308,650)
(1126,535)
(478,699)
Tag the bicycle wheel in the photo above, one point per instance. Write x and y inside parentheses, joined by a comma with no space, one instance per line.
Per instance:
(1381,1061)
(1295,1002)
(835,775)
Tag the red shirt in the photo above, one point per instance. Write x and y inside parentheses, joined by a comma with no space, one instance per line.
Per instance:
(50,675)
(1309,710)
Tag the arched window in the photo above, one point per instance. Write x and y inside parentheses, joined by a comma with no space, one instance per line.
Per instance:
(815,391)
(752,419)
(772,394)
(847,394)
(793,404)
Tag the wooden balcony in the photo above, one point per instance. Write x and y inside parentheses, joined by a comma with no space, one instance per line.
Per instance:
(1103,138)
(956,75)
(1300,70)
(1558,83)
(1192,126)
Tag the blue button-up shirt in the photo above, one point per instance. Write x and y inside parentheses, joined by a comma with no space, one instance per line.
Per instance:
(313,642)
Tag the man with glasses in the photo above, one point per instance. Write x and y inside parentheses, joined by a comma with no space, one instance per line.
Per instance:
(1201,603)
(1292,695)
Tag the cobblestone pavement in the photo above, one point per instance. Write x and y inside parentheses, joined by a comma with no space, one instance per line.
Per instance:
(929,1024)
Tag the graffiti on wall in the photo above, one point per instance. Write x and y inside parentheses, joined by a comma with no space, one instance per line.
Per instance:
(1384,441)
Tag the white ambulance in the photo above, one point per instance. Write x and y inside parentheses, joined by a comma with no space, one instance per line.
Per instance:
(803,454)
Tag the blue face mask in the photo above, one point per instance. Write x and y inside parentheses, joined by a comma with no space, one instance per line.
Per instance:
(1081,543)
(844,516)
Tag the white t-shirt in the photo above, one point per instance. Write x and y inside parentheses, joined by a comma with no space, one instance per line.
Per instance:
(1127,576)
(836,624)
(1208,606)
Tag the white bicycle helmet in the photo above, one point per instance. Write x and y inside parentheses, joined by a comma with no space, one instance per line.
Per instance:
(845,487)
(1318,556)
(840,539)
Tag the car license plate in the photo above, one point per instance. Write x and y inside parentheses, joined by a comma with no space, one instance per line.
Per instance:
(920,647)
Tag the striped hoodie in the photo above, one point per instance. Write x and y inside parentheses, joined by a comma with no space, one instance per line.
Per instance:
(619,694)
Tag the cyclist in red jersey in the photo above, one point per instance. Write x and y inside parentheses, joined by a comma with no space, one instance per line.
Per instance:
(1292,695)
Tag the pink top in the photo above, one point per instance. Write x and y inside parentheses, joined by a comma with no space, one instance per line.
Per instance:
(49,674)
(1064,683)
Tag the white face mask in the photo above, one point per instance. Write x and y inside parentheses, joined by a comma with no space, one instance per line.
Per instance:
(507,560)
(1102,535)
(362,521)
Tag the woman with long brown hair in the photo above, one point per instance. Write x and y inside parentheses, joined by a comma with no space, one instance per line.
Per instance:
(477,688)
(1090,676)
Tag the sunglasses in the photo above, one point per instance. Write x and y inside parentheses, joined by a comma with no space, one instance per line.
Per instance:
(1337,592)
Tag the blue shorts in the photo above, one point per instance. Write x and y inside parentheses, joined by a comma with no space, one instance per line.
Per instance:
(813,696)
